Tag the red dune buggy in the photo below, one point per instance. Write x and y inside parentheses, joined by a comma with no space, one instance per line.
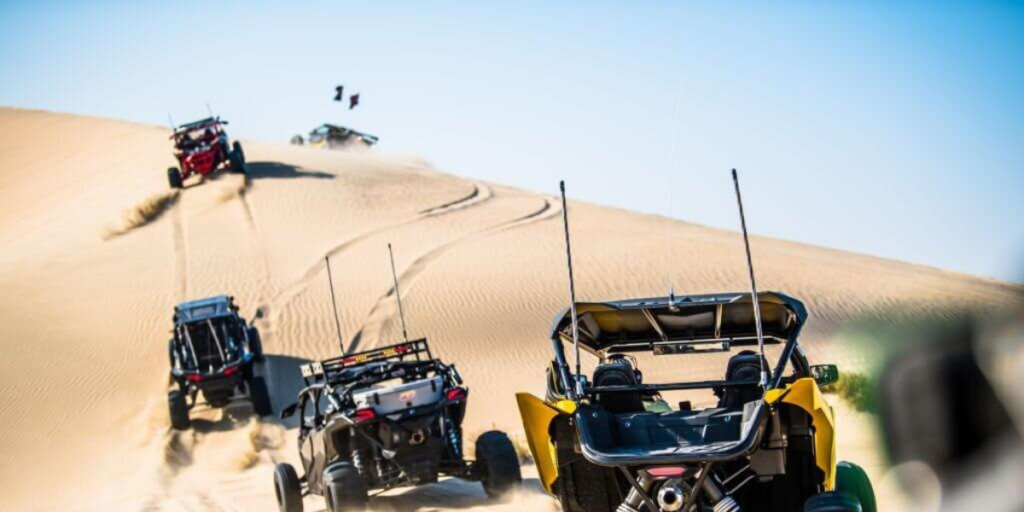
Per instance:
(202,147)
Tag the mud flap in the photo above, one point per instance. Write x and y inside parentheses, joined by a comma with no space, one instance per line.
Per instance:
(537,416)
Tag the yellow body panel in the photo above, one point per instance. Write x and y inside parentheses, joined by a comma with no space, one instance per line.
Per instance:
(804,393)
(320,144)
(537,416)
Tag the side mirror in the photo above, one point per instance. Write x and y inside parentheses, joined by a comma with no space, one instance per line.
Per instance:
(289,411)
(825,374)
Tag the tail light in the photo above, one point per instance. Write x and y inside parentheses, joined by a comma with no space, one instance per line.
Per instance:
(193,377)
(231,370)
(668,471)
(363,415)
(456,394)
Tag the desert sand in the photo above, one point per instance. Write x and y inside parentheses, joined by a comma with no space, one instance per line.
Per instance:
(97,251)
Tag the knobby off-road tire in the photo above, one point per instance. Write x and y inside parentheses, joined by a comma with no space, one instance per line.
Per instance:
(344,489)
(237,158)
(499,464)
(174,177)
(287,488)
(255,344)
(178,409)
(260,396)
(581,486)
(832,502)
(852,480)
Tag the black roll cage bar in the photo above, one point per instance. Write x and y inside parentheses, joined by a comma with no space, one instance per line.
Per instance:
(791,353)
(326,376)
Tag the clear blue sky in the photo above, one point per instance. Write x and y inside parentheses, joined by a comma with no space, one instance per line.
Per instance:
(888,128)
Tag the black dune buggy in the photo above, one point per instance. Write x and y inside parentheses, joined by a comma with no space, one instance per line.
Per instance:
(613,442)
(212,353)
(330,136)
(381,419)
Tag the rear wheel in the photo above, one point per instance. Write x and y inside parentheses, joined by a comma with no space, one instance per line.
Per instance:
(287,488)
(582,486)
(344,489)
(260,396)
(174,177)
(255,344)
(178,410)
(297,140)
(832,502)
(852,480)
(498,462)
(237,158)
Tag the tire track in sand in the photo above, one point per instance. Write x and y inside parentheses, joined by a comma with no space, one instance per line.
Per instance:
(270,311)
(255,240)
(383,311)
(180,252)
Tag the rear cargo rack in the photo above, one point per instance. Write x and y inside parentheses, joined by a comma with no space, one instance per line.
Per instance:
(329,369)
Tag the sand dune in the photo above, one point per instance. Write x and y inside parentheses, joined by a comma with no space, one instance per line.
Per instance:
(86,314)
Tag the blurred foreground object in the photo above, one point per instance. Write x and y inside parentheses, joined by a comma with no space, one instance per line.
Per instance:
(952,409)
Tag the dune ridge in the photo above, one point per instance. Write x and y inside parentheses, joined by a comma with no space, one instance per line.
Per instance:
(86,317)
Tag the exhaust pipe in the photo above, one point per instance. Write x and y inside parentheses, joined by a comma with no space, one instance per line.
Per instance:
(671,497)
(417,438)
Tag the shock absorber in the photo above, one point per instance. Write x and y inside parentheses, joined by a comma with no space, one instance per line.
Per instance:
(723,502)
(634,501)
(357,461)
(454,434)
(357,456)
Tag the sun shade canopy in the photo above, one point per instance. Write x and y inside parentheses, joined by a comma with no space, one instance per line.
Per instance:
(202,309)
(195,125)
(647,324)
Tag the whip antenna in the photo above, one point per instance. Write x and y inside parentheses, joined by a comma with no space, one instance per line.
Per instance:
(334,304)
(753,283)
(572,283)
(398,295)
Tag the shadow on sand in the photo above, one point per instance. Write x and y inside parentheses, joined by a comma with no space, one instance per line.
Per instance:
(284,381)
(282,171)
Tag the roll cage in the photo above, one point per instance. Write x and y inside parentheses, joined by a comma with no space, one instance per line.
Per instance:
(215,123)
(678,326)
(221,336)
(207,328)
(340,376)
(326,131)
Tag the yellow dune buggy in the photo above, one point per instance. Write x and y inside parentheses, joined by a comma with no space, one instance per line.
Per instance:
(612,442)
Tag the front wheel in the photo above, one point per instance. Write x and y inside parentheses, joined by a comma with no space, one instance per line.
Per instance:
(852,480)
(174,177)
(832,502)
(498,464)
(287,488)
(178,409)
(344,489)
